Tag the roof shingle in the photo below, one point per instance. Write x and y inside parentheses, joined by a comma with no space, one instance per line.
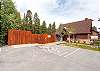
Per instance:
(79,27)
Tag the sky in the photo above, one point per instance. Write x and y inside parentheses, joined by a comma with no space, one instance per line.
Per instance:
(61,11)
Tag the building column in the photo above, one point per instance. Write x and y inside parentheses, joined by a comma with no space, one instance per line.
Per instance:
(73,38)
(88,37)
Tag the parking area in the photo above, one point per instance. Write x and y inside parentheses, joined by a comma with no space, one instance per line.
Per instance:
(48,58)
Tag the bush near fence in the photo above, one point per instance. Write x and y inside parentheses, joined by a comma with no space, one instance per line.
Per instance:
(26,37)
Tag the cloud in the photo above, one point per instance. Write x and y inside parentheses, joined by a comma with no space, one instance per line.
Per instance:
(61,11)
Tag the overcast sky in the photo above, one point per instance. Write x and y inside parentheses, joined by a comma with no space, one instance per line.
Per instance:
(61,11)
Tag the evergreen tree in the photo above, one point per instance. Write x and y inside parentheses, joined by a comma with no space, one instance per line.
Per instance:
(53,27)
(36,24)
(49,29)
(18,18)
(28,17)
(43,28)
(8,16)
(94,28)
(27,21)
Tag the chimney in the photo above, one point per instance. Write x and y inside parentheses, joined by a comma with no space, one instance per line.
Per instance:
(86,18)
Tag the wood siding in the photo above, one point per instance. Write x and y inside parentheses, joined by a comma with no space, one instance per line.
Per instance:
(81,36)
(26,37)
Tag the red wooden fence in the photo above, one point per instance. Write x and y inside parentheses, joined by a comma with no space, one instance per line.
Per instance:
(26,37)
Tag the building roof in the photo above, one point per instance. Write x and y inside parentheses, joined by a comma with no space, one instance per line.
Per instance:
(79,27)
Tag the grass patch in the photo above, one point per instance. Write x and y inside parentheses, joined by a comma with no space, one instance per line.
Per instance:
(84,46)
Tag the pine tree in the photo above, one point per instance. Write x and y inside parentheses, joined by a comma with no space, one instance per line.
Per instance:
(53,27)
(27,21)
(94,28)
(43,28)
(36,24)
(18,18)
(49,29)
(29,17)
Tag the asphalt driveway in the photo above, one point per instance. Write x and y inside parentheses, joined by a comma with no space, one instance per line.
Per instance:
(48,58)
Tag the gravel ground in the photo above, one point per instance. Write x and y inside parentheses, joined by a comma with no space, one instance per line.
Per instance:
(48,58)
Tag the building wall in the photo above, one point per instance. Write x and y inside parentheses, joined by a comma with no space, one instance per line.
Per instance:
(84,41)
(82,38)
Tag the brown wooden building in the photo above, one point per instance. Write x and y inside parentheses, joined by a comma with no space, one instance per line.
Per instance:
(82,31)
